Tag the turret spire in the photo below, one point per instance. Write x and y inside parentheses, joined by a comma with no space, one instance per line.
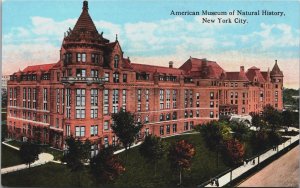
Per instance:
(85,5)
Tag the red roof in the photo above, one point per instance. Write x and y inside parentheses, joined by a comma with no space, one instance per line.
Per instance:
(194,67)
(253,73)
(236,76)
(159,69)
(126,63)
(36,68)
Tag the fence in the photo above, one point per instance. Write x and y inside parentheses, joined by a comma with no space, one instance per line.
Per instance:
(232,175)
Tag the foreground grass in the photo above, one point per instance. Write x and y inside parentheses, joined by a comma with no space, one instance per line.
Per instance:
(9,157)
(138,172)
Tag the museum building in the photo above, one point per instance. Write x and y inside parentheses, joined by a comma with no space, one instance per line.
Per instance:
(93,80)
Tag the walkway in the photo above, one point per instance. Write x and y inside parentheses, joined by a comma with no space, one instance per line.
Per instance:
(287,172)
(43,159)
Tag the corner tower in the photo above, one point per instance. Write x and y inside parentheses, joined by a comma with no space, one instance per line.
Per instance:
(277,81)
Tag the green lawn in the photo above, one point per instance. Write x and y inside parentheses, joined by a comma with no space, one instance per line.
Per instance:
(138,172)
(56,153)
(9,157)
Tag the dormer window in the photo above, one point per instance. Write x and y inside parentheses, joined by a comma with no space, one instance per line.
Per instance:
(116,61)
(81,57)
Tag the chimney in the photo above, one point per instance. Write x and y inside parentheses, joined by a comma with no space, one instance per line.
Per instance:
(242,68)
(171,64)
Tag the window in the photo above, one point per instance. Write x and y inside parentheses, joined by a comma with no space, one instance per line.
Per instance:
(81,57)
(124,77)
(161,98)
(186,126)
(45,99)
(94,130)
(168,129)
(147,119)
(116,77)
(80,131)
(116,61)
(185,114)
(191,125)
(57,122)
(231,95)
(168,116)
(68,103)
(105,101)
(68,130)
(197,96)
(161,117)
(106,126)
(211,115)
(197,113)
(139,91)
(57,100)
(95,58)
(211,104)
(147,131)
(124,99)
(243,110)
(236,95)
(80,103)
(106,77)
(197,104)
(161,130)
(94,103)
(174,128)
(174,97)
(106,142)
(191,113)
(94,73)
(211,95)
(168,96)
(94,150)
(80,72)
(174,116)
(115,97)
(67,58)
(24,97)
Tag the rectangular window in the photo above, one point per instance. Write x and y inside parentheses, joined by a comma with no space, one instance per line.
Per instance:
(139,92)
(115,97)
(174,128)
(186,126)
(211,104)
(161,98)
(106,77)
(94,130)
(116,77)
(197,113)
(45,99)
(80,73)
(124,77)
(80,131)
(211,115)
(168,129)
(106,126)
(57,100)
(197,96)
(68,130)
(211,95)
(161,130)
(94,73)
(68,103)
(147,95)
(124,99)
(57,122)
(94,97)
(105,142)
(105,101)
(80,103)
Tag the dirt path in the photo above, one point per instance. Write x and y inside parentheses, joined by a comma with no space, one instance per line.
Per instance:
(283,172)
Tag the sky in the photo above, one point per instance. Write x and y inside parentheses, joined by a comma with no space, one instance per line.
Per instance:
(33,30)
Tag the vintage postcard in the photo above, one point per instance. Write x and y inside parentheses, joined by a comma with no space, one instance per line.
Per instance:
(128,93)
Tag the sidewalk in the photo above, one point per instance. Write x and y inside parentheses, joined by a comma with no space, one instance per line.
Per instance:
(43,159)
(235,173)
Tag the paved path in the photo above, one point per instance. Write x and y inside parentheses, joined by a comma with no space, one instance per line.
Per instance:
(283,172)
(43,159)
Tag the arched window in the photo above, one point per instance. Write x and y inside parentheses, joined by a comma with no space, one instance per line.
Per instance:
(116,61)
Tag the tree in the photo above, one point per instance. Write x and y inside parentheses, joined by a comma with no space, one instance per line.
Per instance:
(29,153)
(272,116)
(240,130)
(256,119)
(106,166)
(180,156)
(152,149)
(77,153)
(125,128)
(4,132)
(234,151)
(287,118)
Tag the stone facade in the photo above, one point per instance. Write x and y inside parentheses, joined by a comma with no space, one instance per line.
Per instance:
(92,80)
